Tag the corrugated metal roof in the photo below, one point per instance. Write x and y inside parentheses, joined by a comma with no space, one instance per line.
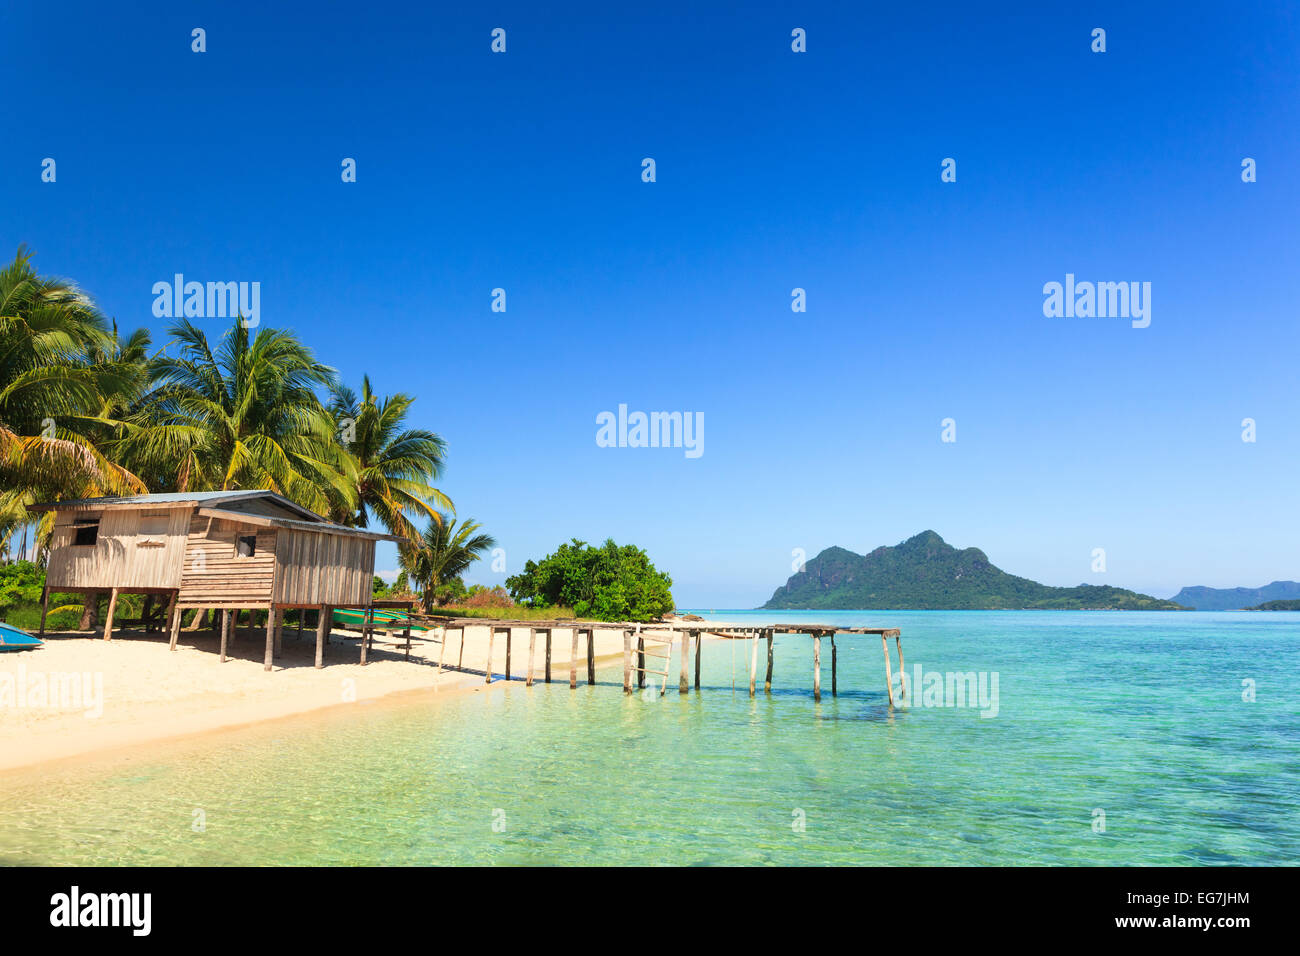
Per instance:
(170,498)
(214,499)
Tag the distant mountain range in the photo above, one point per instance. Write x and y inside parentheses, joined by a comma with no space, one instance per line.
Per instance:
(1232,599)
(927,573)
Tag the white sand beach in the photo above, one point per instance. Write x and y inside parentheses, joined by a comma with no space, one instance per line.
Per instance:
(132,690)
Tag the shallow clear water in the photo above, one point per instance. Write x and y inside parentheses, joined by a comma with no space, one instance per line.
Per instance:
(1137,715)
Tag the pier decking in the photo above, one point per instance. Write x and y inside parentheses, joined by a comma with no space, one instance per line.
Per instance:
(644,643)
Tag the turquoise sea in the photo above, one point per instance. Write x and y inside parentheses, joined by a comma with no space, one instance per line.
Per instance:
(1119,738)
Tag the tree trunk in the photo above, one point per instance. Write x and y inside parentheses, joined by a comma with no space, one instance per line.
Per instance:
(89,612)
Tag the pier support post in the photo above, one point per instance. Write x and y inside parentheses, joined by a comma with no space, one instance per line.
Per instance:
(902,674)
(175,622)
(487,669)
(367,620)
(108,620)
(532,648)
(278,614)
(573,662)
(510,633)
(683,682)
(889,677)
(45,607)
(835,668)
(767,681)
(627,661)
(697,637)
(442,648)
(548,655)
(269,656)
(591,656)
(753,661)
(322,634)
(640,661)
(227,624)
(817,666)
(460,659)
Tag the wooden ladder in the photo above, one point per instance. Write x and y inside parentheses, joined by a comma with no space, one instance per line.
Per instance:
(650,646)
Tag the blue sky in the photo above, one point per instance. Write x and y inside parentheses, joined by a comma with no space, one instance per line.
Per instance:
(775,170)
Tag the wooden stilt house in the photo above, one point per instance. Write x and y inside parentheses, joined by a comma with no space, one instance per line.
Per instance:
(222,550)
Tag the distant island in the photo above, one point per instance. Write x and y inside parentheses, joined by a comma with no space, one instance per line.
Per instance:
(927,573)
(1236,599)
(1276,606)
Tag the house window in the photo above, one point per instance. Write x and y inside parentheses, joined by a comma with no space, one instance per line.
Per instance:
(153,523)
(85,531)
(246,545)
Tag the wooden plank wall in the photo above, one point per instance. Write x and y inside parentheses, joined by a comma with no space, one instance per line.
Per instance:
(122,557)
(316,568)
(215,572)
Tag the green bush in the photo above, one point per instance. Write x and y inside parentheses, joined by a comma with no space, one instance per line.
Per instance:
(609,583)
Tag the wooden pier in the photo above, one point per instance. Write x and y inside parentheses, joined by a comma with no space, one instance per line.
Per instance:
(652,644)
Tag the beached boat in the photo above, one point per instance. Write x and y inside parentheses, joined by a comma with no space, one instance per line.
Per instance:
(355,619)
(12,639)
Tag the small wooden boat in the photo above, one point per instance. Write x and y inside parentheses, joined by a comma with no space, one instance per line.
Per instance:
(355,619)
(12,639)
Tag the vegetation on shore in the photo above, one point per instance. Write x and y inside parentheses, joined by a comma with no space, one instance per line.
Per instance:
(926,573)
(606,583)
(1292,605)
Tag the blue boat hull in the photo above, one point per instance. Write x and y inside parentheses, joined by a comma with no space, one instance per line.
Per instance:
(12,639)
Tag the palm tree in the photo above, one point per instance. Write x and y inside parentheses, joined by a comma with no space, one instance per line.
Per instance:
(246,415)
(394,465)
(446,550)
(53,392)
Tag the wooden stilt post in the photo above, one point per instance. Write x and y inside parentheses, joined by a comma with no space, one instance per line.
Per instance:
(640,661)
(591,656)
(322,632)
(442,648)
(269,656)
(45,607)
(573,662)
(835,668)
(683,681)
(902,674)
(487,670)
(367,617)
(817,666)
(175,621)
(460,660)
(532,648)
(753,661)
(698,638)
(278,614)
(406,642)
(889,677)
(510,632)
(108,620)
(548,655)
(199,614)
(767,681)
(627,661)
(227,619)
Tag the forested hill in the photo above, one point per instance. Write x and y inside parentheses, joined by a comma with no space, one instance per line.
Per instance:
(927,573)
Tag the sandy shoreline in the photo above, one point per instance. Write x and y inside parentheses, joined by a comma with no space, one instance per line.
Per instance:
(132,691)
